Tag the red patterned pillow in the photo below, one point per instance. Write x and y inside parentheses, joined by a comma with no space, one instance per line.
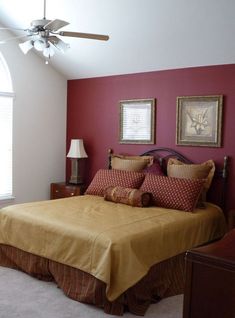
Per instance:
(173,193)
(105,178)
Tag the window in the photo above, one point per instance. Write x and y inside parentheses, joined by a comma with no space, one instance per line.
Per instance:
(6,119)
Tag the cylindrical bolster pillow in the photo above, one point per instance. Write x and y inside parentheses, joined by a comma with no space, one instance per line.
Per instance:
(133,197)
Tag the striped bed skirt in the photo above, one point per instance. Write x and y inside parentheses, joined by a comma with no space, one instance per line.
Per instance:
(163,280)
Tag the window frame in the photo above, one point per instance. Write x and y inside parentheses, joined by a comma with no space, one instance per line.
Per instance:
(8,94)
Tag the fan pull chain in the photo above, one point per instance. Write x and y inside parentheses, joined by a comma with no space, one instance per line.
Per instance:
(47,60)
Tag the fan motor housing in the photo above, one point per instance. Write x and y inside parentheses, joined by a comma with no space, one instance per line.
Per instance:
(39,23)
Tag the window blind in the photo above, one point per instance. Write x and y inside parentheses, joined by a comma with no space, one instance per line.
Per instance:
(6,145)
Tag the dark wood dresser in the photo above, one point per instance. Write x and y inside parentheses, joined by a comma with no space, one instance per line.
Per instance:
(210,280)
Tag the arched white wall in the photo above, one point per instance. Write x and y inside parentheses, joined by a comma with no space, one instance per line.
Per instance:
(39,124)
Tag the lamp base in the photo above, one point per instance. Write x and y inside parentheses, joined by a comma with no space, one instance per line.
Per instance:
(75,177)
(77,180)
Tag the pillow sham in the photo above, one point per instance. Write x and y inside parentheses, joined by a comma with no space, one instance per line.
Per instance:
(173,193)
(131,163)
(105,178)
(133,197)
(205,170)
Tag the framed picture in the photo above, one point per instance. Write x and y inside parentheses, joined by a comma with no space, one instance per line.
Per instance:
(137,121)
(199,120)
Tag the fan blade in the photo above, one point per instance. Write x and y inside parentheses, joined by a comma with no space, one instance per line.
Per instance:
(17,29)
(58,43)
(55,25)
(84,35)
(13,38)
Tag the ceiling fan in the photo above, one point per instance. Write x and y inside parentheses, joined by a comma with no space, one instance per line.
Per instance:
(43,36)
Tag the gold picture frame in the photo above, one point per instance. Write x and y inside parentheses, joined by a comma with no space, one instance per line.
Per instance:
(137,121)
(199,120)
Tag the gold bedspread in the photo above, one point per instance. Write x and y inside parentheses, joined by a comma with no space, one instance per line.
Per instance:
(114,242)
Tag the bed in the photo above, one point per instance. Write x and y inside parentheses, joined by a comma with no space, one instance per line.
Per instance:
(103,252)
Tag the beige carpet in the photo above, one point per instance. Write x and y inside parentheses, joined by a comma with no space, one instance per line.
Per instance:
(22,296)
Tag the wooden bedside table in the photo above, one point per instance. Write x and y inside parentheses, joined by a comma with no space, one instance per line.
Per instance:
(210,280)
(65,190)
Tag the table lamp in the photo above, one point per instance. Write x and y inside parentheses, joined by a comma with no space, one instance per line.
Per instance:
(76,152)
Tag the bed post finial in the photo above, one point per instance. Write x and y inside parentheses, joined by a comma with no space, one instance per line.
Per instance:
(225,167)
(225,177)
(110,151)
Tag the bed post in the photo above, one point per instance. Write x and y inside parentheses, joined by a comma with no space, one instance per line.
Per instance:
(110,151)
(225,178)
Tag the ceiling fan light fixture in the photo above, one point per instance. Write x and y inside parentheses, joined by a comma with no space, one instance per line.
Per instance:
(43,36)
(39,45)
(48,51)
(61,46)
(26,46)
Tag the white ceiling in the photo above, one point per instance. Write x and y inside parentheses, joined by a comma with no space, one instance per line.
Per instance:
(145,35)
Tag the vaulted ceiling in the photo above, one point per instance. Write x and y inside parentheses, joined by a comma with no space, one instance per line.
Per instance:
(145,35)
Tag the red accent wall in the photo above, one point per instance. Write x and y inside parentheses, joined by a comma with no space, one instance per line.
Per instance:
(93,113)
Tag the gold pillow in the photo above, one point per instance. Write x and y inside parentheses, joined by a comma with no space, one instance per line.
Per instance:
(205,170)
(131,163)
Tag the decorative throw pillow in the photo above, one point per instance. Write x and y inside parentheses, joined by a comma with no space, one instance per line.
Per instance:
(173,193)
(205,170)
(133,197)
(105,178)
(155,168)
(131,163)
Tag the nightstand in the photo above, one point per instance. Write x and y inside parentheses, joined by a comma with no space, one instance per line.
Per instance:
(65,190)
(210,280)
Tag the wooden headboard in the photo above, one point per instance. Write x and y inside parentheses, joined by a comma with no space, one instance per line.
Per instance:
(162,155)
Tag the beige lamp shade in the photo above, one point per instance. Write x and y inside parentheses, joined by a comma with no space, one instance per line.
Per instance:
(77,149)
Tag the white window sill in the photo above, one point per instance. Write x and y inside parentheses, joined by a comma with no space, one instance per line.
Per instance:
(5,199)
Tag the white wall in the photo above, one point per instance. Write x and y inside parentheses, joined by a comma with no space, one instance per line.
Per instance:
(39,124)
